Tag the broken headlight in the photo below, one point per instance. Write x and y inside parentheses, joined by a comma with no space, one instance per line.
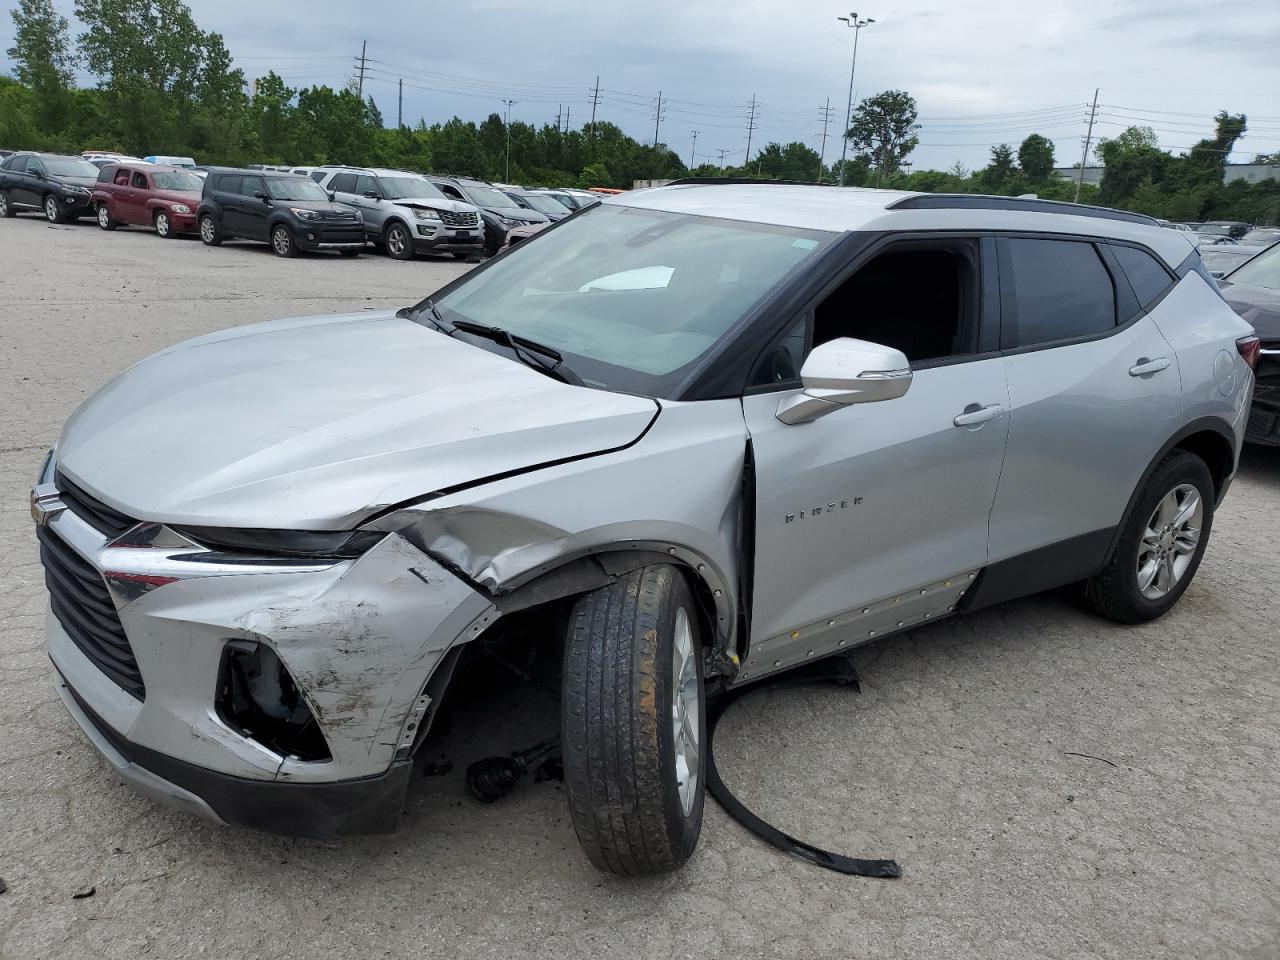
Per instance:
(337,545)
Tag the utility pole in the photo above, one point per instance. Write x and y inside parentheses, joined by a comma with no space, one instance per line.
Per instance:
(364,45)
(1088,137)
(507,170)
(559,110)
(567,111)
(751,126)
(400,107)
(657,119)
(722,151)
(693,151)
(853,22)
(595,98)
(822,154)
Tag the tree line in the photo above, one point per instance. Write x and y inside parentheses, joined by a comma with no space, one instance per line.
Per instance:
(163,85)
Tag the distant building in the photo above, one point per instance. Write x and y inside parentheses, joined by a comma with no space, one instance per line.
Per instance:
(1251,172)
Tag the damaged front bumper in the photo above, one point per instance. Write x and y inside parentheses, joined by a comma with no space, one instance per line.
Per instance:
(358,640)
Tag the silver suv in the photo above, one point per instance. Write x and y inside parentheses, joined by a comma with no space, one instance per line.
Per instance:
(703,433)
(405,213)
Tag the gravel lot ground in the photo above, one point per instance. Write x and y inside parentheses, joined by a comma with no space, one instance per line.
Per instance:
(962,757)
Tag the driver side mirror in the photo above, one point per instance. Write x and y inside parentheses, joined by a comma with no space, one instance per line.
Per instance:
(843,372)
(259,195)
(333,196)
(372,195)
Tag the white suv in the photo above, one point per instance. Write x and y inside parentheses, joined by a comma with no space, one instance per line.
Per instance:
(702,433)
(405,213)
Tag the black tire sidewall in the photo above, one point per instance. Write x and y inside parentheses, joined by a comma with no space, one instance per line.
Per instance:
(156,221)
(406,247)
(1185,468)
(686,828)
(292,249)
(59,210)
(215,235)
(8,205)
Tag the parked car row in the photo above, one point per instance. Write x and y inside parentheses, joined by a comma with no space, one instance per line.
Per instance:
(329,208)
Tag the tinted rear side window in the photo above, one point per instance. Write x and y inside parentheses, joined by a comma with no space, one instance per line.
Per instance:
(1061,290)
(343,183)
(229,182)
(1146,274)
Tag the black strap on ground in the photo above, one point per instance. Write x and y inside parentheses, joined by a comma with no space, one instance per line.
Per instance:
(835,669)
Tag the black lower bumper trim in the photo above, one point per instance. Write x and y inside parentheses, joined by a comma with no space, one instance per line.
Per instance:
(343,808)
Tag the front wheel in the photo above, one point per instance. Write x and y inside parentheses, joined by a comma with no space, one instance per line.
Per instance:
(282,242)
(633,716)
(1161,543)
(105,220)
(399,243)
(164,225)
(54,209)
(210,235)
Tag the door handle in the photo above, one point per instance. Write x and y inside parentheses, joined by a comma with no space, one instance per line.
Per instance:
(1146,368)
(975,415)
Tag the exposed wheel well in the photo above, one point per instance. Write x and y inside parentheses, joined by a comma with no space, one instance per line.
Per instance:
(1215,450)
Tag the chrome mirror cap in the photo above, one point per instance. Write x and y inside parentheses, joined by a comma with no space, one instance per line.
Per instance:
(843,372)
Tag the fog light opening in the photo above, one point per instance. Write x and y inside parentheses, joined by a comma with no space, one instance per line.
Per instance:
(259,699)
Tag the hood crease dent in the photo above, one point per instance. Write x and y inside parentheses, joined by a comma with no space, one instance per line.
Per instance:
(319,423)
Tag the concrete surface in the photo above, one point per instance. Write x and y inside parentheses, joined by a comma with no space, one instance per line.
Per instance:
(962,757)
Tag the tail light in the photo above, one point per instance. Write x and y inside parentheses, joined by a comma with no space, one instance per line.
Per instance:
(1250,348)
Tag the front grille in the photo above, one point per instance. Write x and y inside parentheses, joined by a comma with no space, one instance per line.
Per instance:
(459,219)
(339,215)
(79,599)
(91,510)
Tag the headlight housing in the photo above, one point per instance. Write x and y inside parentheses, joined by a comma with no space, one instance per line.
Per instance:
(424,214)
(181,208)
(320,544)
(302,213)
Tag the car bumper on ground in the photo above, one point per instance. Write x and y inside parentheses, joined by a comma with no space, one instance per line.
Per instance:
(359,638)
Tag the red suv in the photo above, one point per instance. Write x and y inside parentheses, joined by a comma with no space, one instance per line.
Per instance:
(147,195)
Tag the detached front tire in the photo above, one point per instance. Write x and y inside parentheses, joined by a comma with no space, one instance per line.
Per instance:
(633,722)
(1161,543)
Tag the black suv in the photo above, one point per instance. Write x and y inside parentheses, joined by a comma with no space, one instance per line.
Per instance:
(498,211)
(289,212)
(58,185)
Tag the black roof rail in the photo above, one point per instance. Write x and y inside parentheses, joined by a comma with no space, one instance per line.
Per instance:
(718,181)
(970,201)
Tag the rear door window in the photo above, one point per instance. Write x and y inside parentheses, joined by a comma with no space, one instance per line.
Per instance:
(230,182)
(1060,290)
(343,183)
(1146,274)
(122,178)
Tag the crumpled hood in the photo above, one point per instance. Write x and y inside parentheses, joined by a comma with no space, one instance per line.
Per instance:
(318,422)
(436,203)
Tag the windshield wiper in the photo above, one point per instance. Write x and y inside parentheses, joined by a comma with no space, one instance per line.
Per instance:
(529,352)
(432,313)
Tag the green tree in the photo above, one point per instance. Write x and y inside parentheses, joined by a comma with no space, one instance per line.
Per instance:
(1035,158)
(884,130)
(1129,161)
(795,161)
(42,61)
(998,172)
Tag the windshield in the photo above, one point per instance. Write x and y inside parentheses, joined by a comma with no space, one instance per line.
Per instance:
(544,204)
(66,167)
(402,188)
(1262,271)
(177,181)
(1214,229)
(633,298)
(489,197)
(294,188)
(1260,236)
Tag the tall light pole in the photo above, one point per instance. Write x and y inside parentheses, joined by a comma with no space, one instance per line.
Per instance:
(850,21)
(507,172)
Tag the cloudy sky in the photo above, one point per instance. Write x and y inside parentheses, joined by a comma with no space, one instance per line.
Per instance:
(982,73)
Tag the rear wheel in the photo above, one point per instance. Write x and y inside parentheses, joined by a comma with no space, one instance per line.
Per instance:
(1161,543)
(105,220)
(633,716)
(282,242)
(6,208)
(54,209)
(164,226)
(209,232)
(399,243)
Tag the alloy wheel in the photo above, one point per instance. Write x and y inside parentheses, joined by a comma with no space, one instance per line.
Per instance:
(395,242)
(280,241)
(162,223)
(4,204)
(1169,541)
(207,230)
(51,210)
(685,711)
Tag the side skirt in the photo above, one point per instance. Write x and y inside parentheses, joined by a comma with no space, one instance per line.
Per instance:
(1045,568)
